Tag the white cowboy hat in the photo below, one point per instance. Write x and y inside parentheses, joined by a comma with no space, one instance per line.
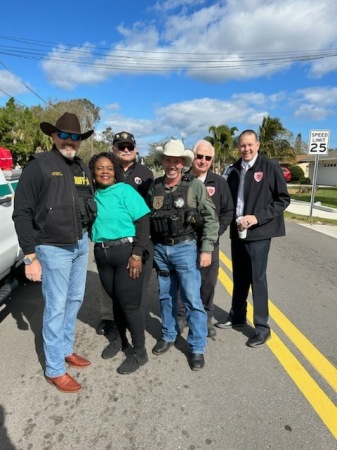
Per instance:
(174,147)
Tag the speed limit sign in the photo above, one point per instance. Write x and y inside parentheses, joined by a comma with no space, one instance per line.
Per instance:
(319,142)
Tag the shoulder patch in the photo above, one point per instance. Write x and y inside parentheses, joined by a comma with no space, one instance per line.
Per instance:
(158,201)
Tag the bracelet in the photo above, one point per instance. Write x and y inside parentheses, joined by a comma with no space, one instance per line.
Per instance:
(136,257)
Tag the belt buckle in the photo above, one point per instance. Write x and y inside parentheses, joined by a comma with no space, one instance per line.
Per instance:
(104,245)
(169,241)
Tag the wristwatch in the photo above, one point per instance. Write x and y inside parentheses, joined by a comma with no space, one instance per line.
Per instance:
(28,260)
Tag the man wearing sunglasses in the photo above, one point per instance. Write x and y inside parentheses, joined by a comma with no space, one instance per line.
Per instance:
(219,192)
(179,203)
(53,211)
(139,177)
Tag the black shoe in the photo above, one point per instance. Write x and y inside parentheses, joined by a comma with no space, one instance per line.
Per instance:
(181,324)
(161,347)
(197,361)
(132,363)
(211,331)
(112,349)
(105,327)
(257,340)
(229,323)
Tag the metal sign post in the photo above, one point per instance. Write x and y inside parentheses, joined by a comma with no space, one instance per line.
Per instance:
(318,145)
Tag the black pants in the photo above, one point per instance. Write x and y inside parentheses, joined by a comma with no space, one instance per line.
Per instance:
(125,292)
(209,278)
(250,269)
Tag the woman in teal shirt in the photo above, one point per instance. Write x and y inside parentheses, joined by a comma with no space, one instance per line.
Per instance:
(121,234)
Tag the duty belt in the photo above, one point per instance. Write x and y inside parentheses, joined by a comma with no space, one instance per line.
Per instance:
(174,240)
(114,242)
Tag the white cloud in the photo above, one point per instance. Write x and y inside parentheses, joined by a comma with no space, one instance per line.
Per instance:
(169,5)
(10,84)
(112,106)
(311,112)
(315,103)
(68,68)
(192,118)
(224,41)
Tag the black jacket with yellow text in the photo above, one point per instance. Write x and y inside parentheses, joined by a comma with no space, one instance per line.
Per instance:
(49,201)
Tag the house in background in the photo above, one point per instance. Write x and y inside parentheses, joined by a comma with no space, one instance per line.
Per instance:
(326,170)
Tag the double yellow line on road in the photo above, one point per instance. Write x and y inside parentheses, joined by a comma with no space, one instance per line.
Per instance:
(317,398)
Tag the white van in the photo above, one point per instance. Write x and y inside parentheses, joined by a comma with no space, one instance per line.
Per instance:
(11,255)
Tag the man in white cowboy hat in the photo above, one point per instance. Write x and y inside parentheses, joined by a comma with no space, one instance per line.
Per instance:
(179,205)
(52,213)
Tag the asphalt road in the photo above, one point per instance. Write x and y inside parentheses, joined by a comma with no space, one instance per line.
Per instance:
(281,396)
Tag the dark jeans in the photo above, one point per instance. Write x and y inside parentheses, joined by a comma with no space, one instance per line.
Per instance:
(209,278)
(125,292)
(250,269)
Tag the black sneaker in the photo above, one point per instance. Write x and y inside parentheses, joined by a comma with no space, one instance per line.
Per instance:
(132,363)
(112,349)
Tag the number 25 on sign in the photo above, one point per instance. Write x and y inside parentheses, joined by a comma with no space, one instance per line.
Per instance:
(319,142)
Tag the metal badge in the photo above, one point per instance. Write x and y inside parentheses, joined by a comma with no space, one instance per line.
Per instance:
(158,202)
(179,202)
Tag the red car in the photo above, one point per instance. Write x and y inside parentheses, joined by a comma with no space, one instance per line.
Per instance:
(286,174)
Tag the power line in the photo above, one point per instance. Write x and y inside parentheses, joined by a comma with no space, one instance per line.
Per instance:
(26,86)
(11,96)
(152,61)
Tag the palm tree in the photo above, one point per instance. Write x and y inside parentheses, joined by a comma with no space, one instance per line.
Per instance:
(275,140)
(222,139)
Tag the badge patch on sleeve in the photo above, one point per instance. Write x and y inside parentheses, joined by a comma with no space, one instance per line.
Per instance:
(158,202)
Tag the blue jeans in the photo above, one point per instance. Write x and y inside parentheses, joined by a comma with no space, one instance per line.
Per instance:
(177,267)
(64,272)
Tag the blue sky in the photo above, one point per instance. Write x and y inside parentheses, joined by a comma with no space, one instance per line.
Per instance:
(175,67)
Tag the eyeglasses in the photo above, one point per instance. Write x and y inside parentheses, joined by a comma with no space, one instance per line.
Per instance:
(129,147)
(208,158)
(73,136)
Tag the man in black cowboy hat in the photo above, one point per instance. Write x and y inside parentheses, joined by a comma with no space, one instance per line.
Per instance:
(52,213)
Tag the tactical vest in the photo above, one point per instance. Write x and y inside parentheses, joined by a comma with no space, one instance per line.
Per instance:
(171,215)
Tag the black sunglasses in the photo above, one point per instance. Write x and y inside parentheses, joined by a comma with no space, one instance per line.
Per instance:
(130,147)
(73,136)
(208,158)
